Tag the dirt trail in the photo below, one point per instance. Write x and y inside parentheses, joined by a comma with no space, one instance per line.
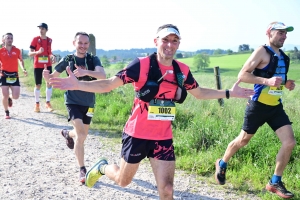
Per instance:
(36,163)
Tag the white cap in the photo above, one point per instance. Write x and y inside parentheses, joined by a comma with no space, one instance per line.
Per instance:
(168,31)
(280,26)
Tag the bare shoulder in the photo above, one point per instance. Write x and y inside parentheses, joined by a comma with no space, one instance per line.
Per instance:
(260,57)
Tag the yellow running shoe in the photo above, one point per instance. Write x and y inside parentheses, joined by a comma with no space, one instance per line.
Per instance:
(49,107)
(94,173)
(37,107)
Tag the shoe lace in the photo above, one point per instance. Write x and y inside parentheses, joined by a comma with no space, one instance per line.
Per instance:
(281,184)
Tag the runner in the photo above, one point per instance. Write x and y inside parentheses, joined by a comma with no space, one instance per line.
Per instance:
(80,105)
(10,57)
(267,69)
(40,49)
(148,131)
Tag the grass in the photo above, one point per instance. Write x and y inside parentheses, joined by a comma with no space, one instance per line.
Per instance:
(203,129)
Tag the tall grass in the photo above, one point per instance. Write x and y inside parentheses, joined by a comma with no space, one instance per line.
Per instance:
(203,129)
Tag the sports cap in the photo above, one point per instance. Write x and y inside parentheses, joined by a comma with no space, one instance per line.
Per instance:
(280,26)
(44,25)
(168,31)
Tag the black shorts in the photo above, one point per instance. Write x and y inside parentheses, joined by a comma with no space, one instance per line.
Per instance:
(78,112)
(134,149)
(256,114)
(3,82)
(38,74)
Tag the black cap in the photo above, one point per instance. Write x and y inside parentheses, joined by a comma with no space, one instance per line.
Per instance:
(44,25)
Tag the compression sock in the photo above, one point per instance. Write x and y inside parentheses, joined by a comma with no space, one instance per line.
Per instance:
(275,179)
(48,94)
(37,95)
(223,164)
(7,113)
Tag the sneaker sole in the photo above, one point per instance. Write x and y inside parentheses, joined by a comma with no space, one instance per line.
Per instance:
(216,173)
(61,132)
(91,169)
(274,190)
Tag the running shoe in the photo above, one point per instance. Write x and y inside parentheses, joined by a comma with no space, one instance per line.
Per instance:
(220,174)
(279,189)
(7,115)
(49,107)
(10,102)
(69,140)
(94,173)
(37,107)
(82,174)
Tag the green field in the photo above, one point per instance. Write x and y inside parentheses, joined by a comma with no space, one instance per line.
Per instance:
(203,129)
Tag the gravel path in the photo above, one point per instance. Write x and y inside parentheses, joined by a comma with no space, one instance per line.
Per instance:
(36,163)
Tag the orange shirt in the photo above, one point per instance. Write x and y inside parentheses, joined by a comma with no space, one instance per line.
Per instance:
(9,60)
(36,44)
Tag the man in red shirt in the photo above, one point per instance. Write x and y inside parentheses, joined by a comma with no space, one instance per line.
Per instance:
(40,49)
(148,131)
(9,58)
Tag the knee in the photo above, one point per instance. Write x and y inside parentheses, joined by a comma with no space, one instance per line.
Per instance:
(80,137)
(122,182)
(166,191)
(290,144)
(15,96)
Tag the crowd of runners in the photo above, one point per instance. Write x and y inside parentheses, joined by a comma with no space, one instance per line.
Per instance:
(160,82)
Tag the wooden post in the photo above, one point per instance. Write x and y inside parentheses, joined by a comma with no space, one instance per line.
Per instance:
(92,47)
(218,83)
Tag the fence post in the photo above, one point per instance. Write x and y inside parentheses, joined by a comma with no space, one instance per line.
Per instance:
(218,83)
(92,47)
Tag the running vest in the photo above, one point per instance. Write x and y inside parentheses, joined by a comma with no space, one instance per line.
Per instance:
(154,79)
(88,61)
(270,70)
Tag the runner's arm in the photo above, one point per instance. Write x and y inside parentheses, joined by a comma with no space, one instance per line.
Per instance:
(99,73)
(98,86)
(235,91)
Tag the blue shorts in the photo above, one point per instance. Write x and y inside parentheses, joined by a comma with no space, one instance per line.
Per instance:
(134,149)
(256,114)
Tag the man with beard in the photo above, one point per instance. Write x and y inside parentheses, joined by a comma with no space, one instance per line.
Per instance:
(159,81)
(10,57)
(267,69)
(80,104)
(40,49)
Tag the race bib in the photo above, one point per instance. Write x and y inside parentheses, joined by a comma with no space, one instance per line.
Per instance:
(90,112)
(43,59)
(161,110)
(11,80)
(276,91)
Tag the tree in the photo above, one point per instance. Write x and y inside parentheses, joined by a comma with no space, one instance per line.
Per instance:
(179,55)
(218,51)
(229,51)
(105,62)
(201,61)
(243,47)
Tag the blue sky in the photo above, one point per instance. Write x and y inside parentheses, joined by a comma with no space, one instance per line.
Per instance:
(120,24)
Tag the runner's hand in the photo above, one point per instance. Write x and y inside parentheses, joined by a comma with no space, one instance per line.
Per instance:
(41,50)
(69,83)
(290,84)
(274,81)
(237,91)
(79,71)
(46,73)
(25,72)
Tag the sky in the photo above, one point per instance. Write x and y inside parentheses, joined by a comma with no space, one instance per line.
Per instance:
(120,24)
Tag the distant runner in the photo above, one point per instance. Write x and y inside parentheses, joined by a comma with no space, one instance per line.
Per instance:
(10,57)
(40,49)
